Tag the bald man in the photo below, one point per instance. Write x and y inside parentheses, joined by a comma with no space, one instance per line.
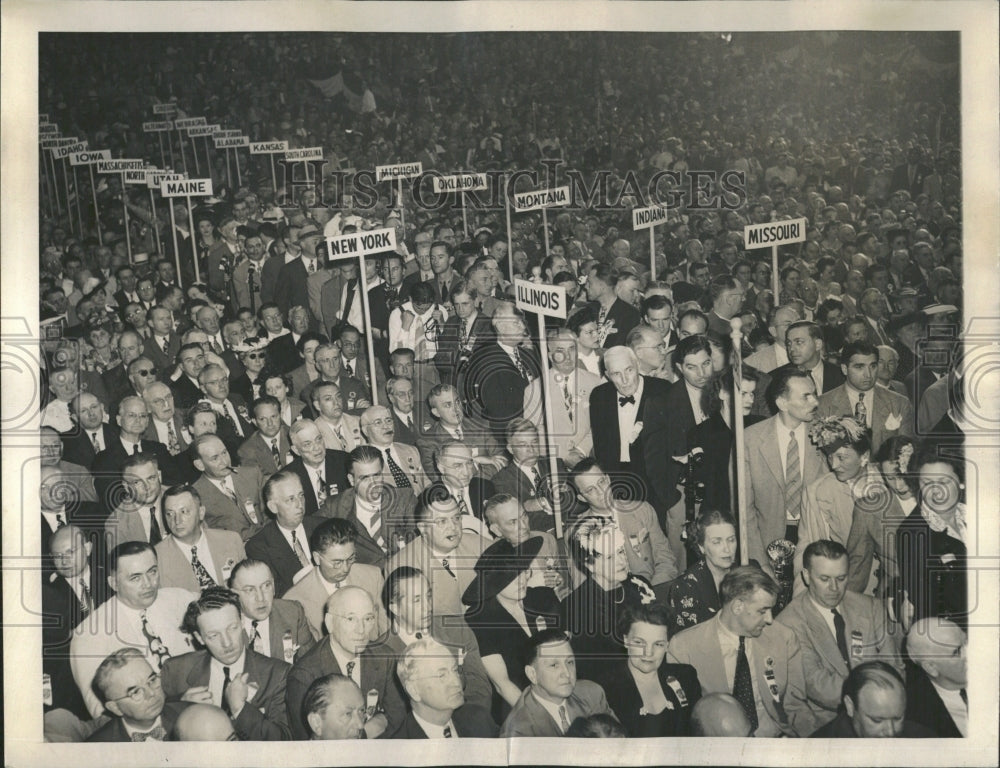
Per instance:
(936,683)
(204,722)
(719,714)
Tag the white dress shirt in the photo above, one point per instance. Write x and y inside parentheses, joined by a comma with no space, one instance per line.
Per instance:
(434,731)
(264,630)
(784,440)
(216,677)
(694,397)
(300,535)
(626,421)
(729,644)
(553,709)
(952,701)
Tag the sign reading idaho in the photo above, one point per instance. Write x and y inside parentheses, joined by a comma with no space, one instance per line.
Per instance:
(547,300)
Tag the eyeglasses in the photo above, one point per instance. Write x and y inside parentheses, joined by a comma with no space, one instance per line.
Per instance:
(368,619)
(144,372)
(251,591)
(349,561)
(255,355)
(139,692)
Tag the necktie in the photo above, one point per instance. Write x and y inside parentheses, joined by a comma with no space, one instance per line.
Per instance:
(93,439)
(350,669)
(299,552)
(568,399)
(226,680)
(231,412)
(256,641)
(376,527)
(230,492)
(458,431)
(156,646)
(87,604)
(398,476)
(444,562)
(536,479)
(340,436)
(743,685)
(444,292)
(841,628)
(173,446)
(155,536)
(462,506)
(965,697)
(275,453)
(629,399)
(466,329)
(321,494)
(157,734)
(793,480)
(200,571)
(520,364)
(602,315)
(349,299)
(348,368)
(216,346)
(164,345)
(409,422)
(312,266)
(447,731)
(861,410)
(563,719)
(60,520)
(135,448)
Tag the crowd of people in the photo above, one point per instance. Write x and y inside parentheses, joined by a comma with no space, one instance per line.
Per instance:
(286,495)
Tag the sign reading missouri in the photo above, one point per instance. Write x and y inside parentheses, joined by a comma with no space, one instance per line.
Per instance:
(460,182)
(543,198)
(644,218)
(544,299)
(362,243)
(774,233)
(398,171)
(186,188)
(268,147)
(120,166)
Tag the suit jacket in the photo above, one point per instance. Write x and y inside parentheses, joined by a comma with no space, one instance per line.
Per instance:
(164,362)
(255,451)
(334,470)
(470,721)
(450,355)
(311,594)
(841,728)
(179,430)
(225,547)
(766,486)
(292,290)
(408,459)
(288,616)
(403,434)
(109,462)
(222,513)
(448,588)
(494,387)
(270,545)
(699,646)
(480,490)
(620,319)
(350,428)
(529,718)
(924,705)
(350,388)
(764,360)
(833,377)
(186,393)
(649,452)
(901,179)
(377,673)
(932,568)
(114,729)
(625,701)
(397,522)
(300,379)
(891,413)
(117,385)
(825,669)
(436,285)
(282,355)
(224,419)
(571,432)
(359,366)
(329,302)
(511,479)
(263,717)
(78,448)
(474,435)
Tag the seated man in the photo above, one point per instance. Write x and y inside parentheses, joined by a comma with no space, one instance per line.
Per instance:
(761,661)
(51,447)
(457,470)
(248,686)
(399,392)
(528,476)
(402,461)
(432,679)
(334,558)
(837,629)
(131,691)
(350,615)
(341,431)
(936,696)
(232,496)
(334,708)
(268,448)
(274,627)
(719,714)
(204,722)
(323,472)
(451,424)
(555,697)
(874,707)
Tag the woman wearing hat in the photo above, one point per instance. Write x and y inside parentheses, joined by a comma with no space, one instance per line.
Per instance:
(504,612)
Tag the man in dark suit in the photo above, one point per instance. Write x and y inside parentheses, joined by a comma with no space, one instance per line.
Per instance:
(615,318)
(350,612)
(133,417)
(322,472)
(246,685)
(230,407)
(91,435)
(639,424)
(186,387)
(458,475)
(805,345)
(274,627)
(452,424)
(284,542)
(432,679)
(353,393)
(937,678)
(115,379)
(445,277)
(126,279)
(292,287)
(382,300)
(399,392)
(132,692)
(282,353)
(269,447)
(163,344)
(911,174)
(462,333)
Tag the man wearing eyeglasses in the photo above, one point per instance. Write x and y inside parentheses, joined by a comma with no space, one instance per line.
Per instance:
(90,435)
(432,680)
(133,419)
(249,687)
(214,382)
(651,350)
(131,691)
(350,616)
(334,557)
(165,424)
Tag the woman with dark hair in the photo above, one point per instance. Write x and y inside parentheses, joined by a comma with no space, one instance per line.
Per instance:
(583,324)
(206,238)
(650,697)
(278,386)
(694,596)
(931,541)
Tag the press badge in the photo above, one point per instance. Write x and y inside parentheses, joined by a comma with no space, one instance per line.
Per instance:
(46,689)
(251,512)
(461,658)
(675,686)
(856,644)
(288,646)
(371,704)
(540,624)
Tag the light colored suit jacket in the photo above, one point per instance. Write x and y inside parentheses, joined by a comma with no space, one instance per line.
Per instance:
(225,547)
(766,486)
(448,588)
(530,718)
(350,428)
(255,450)
(765,360)
(126,525)
(824,667)
(570,434)
(311,594)
(699,646)
(408,459)
(827,512)
(892,414)
(223,513)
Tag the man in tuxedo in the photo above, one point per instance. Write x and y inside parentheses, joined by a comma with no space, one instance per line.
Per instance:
(741,651)
(528,476)
(399,393)
(500,371)
(634,444)
(451,424)
(837,629)
(805,345)
(274,627)
(458,477)
(163,343)
(283,543)
(334,708)
(781,462)
(432,679)
(555,697)
(569,387)
(131,690)
(402,461)
(334,557)
(91,435)
(70,594)
(248,686)
(194,557)
(282,352)
(232,496)
(349,616)
(323,472)
(269,447)
(938,677)
(142,615)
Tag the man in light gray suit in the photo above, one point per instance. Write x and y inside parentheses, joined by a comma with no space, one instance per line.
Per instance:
(232,496)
